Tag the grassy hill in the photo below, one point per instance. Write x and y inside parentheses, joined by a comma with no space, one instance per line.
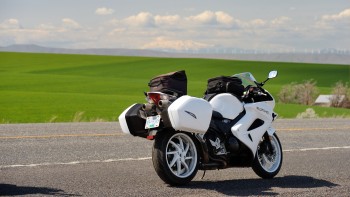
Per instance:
(56,87)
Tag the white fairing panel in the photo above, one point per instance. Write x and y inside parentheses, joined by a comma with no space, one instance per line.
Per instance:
(251,138)
(227,105)
(190,114)
(272,102)
(122,120)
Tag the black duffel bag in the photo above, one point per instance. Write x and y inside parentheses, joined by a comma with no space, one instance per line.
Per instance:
(225,84)
(172,83)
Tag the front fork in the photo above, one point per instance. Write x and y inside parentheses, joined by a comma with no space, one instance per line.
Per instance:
(265,145)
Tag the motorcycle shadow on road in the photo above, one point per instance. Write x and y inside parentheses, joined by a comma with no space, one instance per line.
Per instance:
(15,190)
(260,187)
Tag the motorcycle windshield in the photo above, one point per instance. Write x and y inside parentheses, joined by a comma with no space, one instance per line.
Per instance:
(247,78)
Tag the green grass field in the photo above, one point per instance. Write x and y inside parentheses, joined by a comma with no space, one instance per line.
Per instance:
(55,87)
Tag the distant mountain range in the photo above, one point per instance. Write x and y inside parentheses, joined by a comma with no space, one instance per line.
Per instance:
(275,57)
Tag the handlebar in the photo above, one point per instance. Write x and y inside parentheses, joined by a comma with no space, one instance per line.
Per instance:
(254,91)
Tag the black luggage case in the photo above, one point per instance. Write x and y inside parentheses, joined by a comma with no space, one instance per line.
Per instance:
(225,84)
(172,83)
(136,124)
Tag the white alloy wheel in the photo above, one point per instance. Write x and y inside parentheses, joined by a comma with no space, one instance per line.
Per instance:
(175,157)
(181,155)
(268,159)
(270,162)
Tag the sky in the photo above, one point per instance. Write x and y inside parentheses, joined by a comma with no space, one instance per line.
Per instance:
(267,25)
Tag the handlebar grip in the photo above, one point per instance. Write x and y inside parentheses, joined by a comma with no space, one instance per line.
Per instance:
(258,92)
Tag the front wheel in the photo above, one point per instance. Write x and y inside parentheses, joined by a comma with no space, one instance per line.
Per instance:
(268,159)
(175,157)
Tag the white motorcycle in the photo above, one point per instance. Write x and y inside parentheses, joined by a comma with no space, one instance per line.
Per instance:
(222,130)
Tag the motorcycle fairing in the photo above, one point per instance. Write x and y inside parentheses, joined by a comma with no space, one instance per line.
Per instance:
(254,111)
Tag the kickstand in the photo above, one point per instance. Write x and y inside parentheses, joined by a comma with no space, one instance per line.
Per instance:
(203,175)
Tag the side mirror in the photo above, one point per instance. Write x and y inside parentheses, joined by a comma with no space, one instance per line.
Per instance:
(272,74)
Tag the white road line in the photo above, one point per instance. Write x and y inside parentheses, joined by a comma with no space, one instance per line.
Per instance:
(311,149)
(75,162)
(143,158)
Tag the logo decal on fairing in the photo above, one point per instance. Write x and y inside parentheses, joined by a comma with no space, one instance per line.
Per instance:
(191,114)
(262,110)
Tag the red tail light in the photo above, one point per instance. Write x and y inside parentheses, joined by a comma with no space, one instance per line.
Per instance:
(153,97)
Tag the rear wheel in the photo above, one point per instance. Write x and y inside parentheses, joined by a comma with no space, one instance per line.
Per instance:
(175,157)
(268,159)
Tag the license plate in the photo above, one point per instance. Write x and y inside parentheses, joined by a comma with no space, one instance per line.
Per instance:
(152,122)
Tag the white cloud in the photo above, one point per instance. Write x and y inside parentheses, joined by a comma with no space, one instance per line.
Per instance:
(10,24)
(167,20)
(117,31)
(224,18)
(258,22)
(47,26)
(168,31)
(344,15)
(212,18)
(104,11)
(280,20)
(206,17)
(70,23)
(180,32)
(144,19)
(26,36)
(113,22)
(66,34)
(335,21)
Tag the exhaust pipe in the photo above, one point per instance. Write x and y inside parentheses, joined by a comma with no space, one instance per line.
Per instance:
(148,106)
(164,103)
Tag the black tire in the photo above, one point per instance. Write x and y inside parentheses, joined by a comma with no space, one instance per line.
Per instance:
(175,157)
(263,158)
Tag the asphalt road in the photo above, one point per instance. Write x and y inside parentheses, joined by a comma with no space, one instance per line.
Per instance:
(96,159)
